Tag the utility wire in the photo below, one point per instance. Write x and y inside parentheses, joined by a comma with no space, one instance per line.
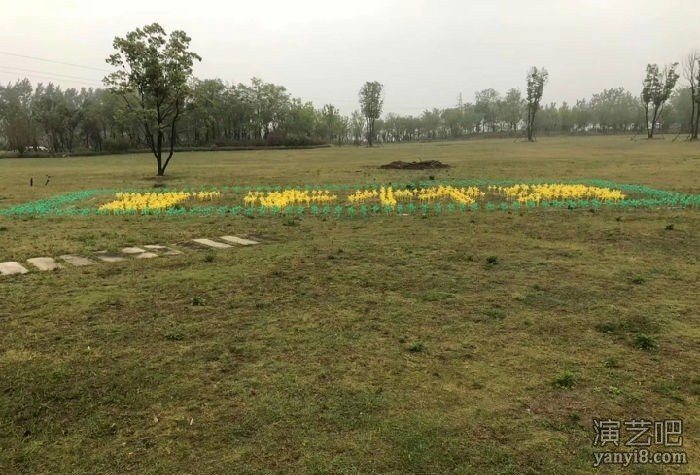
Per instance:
(46,60)
(65,76)
(405,106)
(50,78)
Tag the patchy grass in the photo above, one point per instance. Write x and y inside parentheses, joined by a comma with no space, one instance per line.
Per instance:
(417,347)
(407,352)
(565,380)
(645,342)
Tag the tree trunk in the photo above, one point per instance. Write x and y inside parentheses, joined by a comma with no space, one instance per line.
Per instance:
(693,113)
(159,152)
(161,169)
(172,137)
(650,131)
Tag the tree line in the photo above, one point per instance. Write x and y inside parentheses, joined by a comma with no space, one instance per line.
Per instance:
(151,100)
(610,111)
(215,114)
(70,120)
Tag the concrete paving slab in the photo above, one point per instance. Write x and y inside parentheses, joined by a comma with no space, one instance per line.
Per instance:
(163,250)
(146,255)
(210,243)
(10,268)
(77,261)
(133,250)
(105,256)
(44,263)
(241,241)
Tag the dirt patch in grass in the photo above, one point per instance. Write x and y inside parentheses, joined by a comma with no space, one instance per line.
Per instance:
(419,165)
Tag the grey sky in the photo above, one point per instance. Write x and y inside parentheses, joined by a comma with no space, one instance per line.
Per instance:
(424,52)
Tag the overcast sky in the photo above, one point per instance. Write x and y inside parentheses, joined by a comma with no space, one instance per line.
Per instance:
(424,52)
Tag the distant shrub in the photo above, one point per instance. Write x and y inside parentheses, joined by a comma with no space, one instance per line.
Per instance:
(495,313)
(611,362)
(608,327)
(614,390)
(645,342)
(565,380)
(417,347)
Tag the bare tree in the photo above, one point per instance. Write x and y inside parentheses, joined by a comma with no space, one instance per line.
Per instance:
(691,71)
(658,86)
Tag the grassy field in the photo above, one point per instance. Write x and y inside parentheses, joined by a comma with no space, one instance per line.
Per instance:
(464,343)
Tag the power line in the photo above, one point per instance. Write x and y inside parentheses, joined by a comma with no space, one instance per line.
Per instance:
(65,76)
(49,77)
(46,60)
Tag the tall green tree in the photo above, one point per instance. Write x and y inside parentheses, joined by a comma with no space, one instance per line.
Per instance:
(512,108)
(343,127)
(536,79)
(16,120)
(691,70)
(301,121)
(59,113)
(92,119)
(271,105)
(431,123)
(357,127)
(453,118)
(678,109)
(330,122)
(657,88)
(205,110)
(614,109)
(153,73)
(486,104)
(371,103)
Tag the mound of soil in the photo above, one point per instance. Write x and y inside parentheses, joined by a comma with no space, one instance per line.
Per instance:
(422,165)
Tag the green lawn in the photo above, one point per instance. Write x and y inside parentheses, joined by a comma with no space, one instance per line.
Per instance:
(463,343)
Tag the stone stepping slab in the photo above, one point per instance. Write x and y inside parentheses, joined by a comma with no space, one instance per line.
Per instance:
(146,252)
(241,241)
(131,251)
(138,253)
(163,250)
(76,260)
(10,268)
(145,255)
(106,256)
(210,243)
(44,263)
